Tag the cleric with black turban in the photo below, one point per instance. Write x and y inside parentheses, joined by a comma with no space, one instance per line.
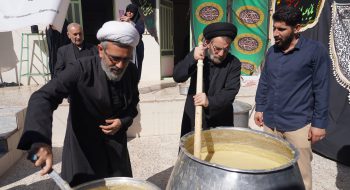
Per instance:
(221,78)
(220,29)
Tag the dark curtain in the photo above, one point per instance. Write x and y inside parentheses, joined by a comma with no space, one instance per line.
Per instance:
(181,30)
(336,144)
(95,14)
(55,39)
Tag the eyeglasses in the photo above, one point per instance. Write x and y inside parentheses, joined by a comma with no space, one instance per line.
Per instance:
(117,59)
(217,49)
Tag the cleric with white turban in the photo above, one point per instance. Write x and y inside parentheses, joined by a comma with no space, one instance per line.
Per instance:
(117,31)
(103,103)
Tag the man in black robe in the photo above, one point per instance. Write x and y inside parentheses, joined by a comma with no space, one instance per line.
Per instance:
(104,97)
(221,78)
(76,49)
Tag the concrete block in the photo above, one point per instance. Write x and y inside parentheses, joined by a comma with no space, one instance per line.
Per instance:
(12,144)
(13,154)
(5,163)
(151,61)
(12,141)
(13,120)
(3,146)
(8,126)
(20,116)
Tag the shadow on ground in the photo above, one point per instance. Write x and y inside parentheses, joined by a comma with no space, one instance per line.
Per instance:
(343,168)
(161,179)
(44,184)
(343,177)
(26,169)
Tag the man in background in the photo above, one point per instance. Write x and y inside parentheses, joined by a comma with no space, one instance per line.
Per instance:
(76,49)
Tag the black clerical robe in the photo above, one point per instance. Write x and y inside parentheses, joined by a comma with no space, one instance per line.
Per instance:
(88,153)
(221,83)
(70,53)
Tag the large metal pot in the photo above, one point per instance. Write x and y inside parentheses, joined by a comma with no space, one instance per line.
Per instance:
(117,183)
(192,173)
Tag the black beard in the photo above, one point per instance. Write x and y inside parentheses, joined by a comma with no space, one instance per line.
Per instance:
(286,43)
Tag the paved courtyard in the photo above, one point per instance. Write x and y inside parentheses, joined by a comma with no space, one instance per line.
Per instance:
(152,156)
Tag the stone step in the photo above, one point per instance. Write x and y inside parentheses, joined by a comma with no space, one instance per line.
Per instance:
(3,146)
(8,126)
(11,126)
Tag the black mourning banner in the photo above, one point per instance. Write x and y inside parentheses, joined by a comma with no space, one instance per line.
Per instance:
(147,8)
(310,9)
(336,144)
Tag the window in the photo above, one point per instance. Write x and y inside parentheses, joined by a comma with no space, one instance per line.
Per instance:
(74,13)
(166,27)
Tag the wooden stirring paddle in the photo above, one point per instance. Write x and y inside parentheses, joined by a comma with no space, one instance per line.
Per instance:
(199,110)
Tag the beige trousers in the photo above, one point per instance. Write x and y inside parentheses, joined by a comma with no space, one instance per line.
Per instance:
(299,139)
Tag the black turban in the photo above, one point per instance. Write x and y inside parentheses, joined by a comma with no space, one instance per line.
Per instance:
(220,29)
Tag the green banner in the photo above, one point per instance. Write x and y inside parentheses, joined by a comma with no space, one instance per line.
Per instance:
(251,19)
(205,12)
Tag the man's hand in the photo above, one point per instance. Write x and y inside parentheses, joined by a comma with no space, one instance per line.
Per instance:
(258,118)
(199,52)
(44,157)
(201,99)
(316,134)
(112,126)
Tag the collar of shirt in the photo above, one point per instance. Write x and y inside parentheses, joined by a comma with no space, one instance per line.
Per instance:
(298,46)
(82,47)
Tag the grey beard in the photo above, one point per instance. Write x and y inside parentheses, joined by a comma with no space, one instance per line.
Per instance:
(110,75)
(213,58)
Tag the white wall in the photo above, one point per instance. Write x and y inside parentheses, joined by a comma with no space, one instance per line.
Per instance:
(10,56)
(9,62)
(167,65)
(154,67)
(9,67)
(151,61)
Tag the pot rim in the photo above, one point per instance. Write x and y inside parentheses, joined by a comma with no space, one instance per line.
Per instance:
(295,152)
(110,180)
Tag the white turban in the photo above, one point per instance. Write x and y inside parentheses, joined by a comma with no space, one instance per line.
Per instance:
(122,32)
